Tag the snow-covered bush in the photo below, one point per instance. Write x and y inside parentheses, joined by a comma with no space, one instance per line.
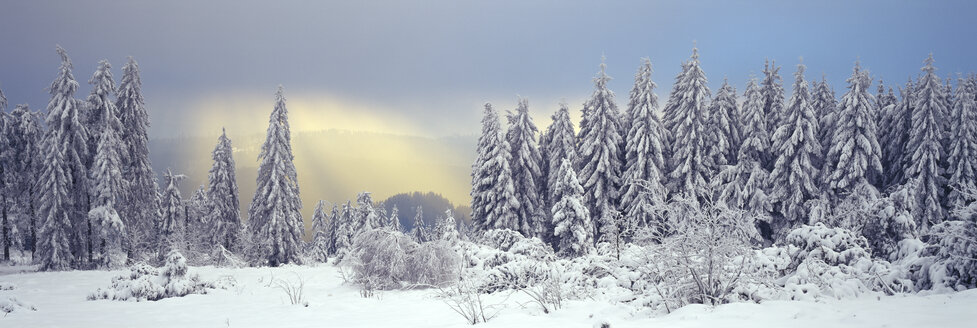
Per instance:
(146,283)
(955,260)
(892,223)
(834,262)
(383,259)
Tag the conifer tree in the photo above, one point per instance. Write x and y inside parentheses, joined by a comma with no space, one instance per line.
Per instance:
(366,215)
(344,231)
(691,162)
(725,125)
(772,89)
(573,229)
(794,179)
(394,219)
(106,173)
(273,217)
(140,209)
(599,157)
(924,151)
(642,181)
(172,223)
(417,231)
(9,236)
(745,184)
(527,176)
(894,126)
(962,155)
(25,137)
(446,229)
(493,193)
(561,143)
(100,102)
(826,109)
(225,205)
(319,248)
(53,237)
(66,128)
(855,155)
(332,228)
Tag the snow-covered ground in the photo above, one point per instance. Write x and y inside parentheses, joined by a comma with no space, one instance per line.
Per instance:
(60,301)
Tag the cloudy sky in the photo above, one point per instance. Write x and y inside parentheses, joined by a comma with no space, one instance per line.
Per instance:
(424,68)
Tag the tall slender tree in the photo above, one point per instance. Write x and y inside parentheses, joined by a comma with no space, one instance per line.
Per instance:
(894,127)
(493,193)
(794,179)
(962,155)
(692,164)
(826,109)
(273,217)
(924,151)
(573,229)
(140,208)
(772,90)
(643,179)
(25,137)
(106,173)
(527,176)
(855,155)
(745,184)
(562,143)
(725,125)
(319,247)
(172,227)
(599,157)
(225,205)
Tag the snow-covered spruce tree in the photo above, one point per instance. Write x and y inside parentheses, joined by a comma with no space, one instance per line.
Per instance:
(493,193)
(962,152)
(319,247)
(140,207)
(599,158)
(744,185)
(884,97)
(725,125)
(527,177)
(199,229)
(274,218)
(560,142)
(826,108)
(332,226)
(171,226)
(393,221)
(106,176)
(692,161)
(573,230)
(924,151)
(9,236)
(66,128)
(24,135)
(225,205)
(894,127)
(366,215)
(643,178)
(772,90)
(794,178)
(53,237)
(417,231)
(855,155)
(446,229)
(344,231)
(99,103)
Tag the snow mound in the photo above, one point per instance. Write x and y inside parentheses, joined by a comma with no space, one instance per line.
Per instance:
(12,304)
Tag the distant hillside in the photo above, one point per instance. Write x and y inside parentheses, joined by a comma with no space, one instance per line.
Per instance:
(433,204)
(335,165)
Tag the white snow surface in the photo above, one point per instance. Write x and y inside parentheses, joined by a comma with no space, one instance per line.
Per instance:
(59,300)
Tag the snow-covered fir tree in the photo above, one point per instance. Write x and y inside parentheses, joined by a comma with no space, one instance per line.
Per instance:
(106,175)
(527,176)
(9,236)
(962,152)
(884,97)
(24,136)
(725,125)
(417,232)
(745,184)
(222,191)
(321,239)
(171,225)
(855,155)
(692,163)
(332,227)
(53,236)
(573,229)
(794,178)
(140,208)
(366,215)
(643,178)
(599,157)
(894,125)
(199,234)
(561,142)
(772,90)
(393,221)
(343,228)
(493,192)
(924,151)
(65,126)
(446,229)
(274,217)
(826,108)
(99,102)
